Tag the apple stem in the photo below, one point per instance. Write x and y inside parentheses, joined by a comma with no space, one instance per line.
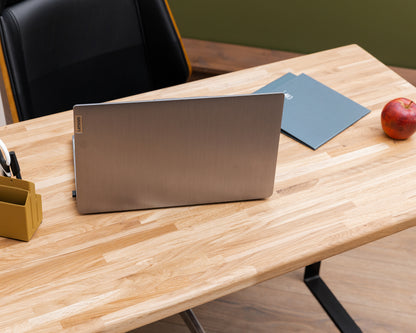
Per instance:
(408,106)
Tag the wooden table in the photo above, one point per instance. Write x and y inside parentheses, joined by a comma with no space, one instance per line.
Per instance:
(119,271)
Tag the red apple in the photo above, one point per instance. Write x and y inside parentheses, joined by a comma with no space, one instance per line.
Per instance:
(398,118)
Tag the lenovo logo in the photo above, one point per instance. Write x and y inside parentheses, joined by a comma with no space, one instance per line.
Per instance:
(78,124)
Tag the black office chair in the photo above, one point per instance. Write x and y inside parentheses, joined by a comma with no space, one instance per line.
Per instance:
(58,53)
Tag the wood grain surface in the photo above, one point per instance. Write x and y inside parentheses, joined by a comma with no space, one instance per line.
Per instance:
(374,282)
(114,272)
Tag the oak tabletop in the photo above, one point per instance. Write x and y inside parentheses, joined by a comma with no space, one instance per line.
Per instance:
(118,271)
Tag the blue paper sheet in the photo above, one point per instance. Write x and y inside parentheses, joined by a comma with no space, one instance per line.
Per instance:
(313,113)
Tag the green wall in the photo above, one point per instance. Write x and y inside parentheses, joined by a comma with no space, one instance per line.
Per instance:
(385,28)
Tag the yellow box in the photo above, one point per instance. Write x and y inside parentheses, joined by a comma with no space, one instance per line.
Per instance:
(20,209)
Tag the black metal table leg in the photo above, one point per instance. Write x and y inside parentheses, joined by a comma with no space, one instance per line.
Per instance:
(192,322)
(328,301)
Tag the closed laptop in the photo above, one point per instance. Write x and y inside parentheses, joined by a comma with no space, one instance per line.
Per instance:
(176,152)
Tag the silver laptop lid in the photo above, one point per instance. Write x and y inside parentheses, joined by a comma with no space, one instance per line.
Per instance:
(175,152)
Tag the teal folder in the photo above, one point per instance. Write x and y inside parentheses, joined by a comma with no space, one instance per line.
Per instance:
(313,113)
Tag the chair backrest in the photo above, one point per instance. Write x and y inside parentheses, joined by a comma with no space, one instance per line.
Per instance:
(62,52)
